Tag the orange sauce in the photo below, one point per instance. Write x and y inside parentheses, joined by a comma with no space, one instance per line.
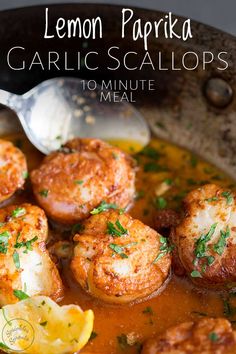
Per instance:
(180,300)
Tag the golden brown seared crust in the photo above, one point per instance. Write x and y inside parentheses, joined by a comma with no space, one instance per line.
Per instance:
(24,260)
(13,169)
(205,238)
(120,275)
(207,336)
(82,175)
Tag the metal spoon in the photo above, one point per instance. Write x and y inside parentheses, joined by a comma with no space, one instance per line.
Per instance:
(62,108)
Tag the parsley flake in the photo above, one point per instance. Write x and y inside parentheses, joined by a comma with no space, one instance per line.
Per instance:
(200,244)
(103,207)
(164,249)
(116,230)
(213,337)
(93,335)
(16,259)
(77,228)
(44,193)
(196,274)
(26,244)
(213,199)
(79,181)
(21,295)
(148,310)
(160,203)
(4,238)
(228,196)
(16,213)
(220,245)
(118,249)
(25,174)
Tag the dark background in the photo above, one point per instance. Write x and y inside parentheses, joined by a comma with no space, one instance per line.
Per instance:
(218,13)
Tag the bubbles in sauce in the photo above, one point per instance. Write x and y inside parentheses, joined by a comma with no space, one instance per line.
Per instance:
(165,174)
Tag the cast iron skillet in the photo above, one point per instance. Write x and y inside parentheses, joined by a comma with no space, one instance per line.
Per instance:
(180,110)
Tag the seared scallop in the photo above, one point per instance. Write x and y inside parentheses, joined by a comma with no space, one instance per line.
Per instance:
(13,169)
(205,238)
(119,259)
(73,181)
(25,264)
(207,336)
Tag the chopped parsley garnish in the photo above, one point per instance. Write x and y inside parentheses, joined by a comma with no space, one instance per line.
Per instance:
(16,213)
(21,295)
(25,174)
(196,274)
(77,228)
(44,193)
(220,245)
(43,324)
(116,230)
(164,249)
(201,243)
(150,152)
(228,310)
(145,212)
(160,203)
(16,259)
(4,238)
(193,161)
(208,170)
(26,244)
(4,346)
(79,181)
(191,182)
(168,181)
(122,341)
(125,343)
(103,207)
(115,156)
(118,249)
(213,337)
(93,335)
(218,177)
(213,199)
(200,251)
(154,167)
(228,196)
(210,260)
(139,195)
(148,310)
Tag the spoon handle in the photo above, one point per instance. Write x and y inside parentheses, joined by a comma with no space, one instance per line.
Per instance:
(11,100)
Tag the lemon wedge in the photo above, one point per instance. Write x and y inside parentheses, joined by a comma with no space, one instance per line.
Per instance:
(37,325)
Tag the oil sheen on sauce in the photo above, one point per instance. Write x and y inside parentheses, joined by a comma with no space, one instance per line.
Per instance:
(122,328)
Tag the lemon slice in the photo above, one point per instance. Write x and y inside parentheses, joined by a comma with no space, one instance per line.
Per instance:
(38,325)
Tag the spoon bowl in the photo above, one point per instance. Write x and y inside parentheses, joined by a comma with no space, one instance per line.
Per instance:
(60,109)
